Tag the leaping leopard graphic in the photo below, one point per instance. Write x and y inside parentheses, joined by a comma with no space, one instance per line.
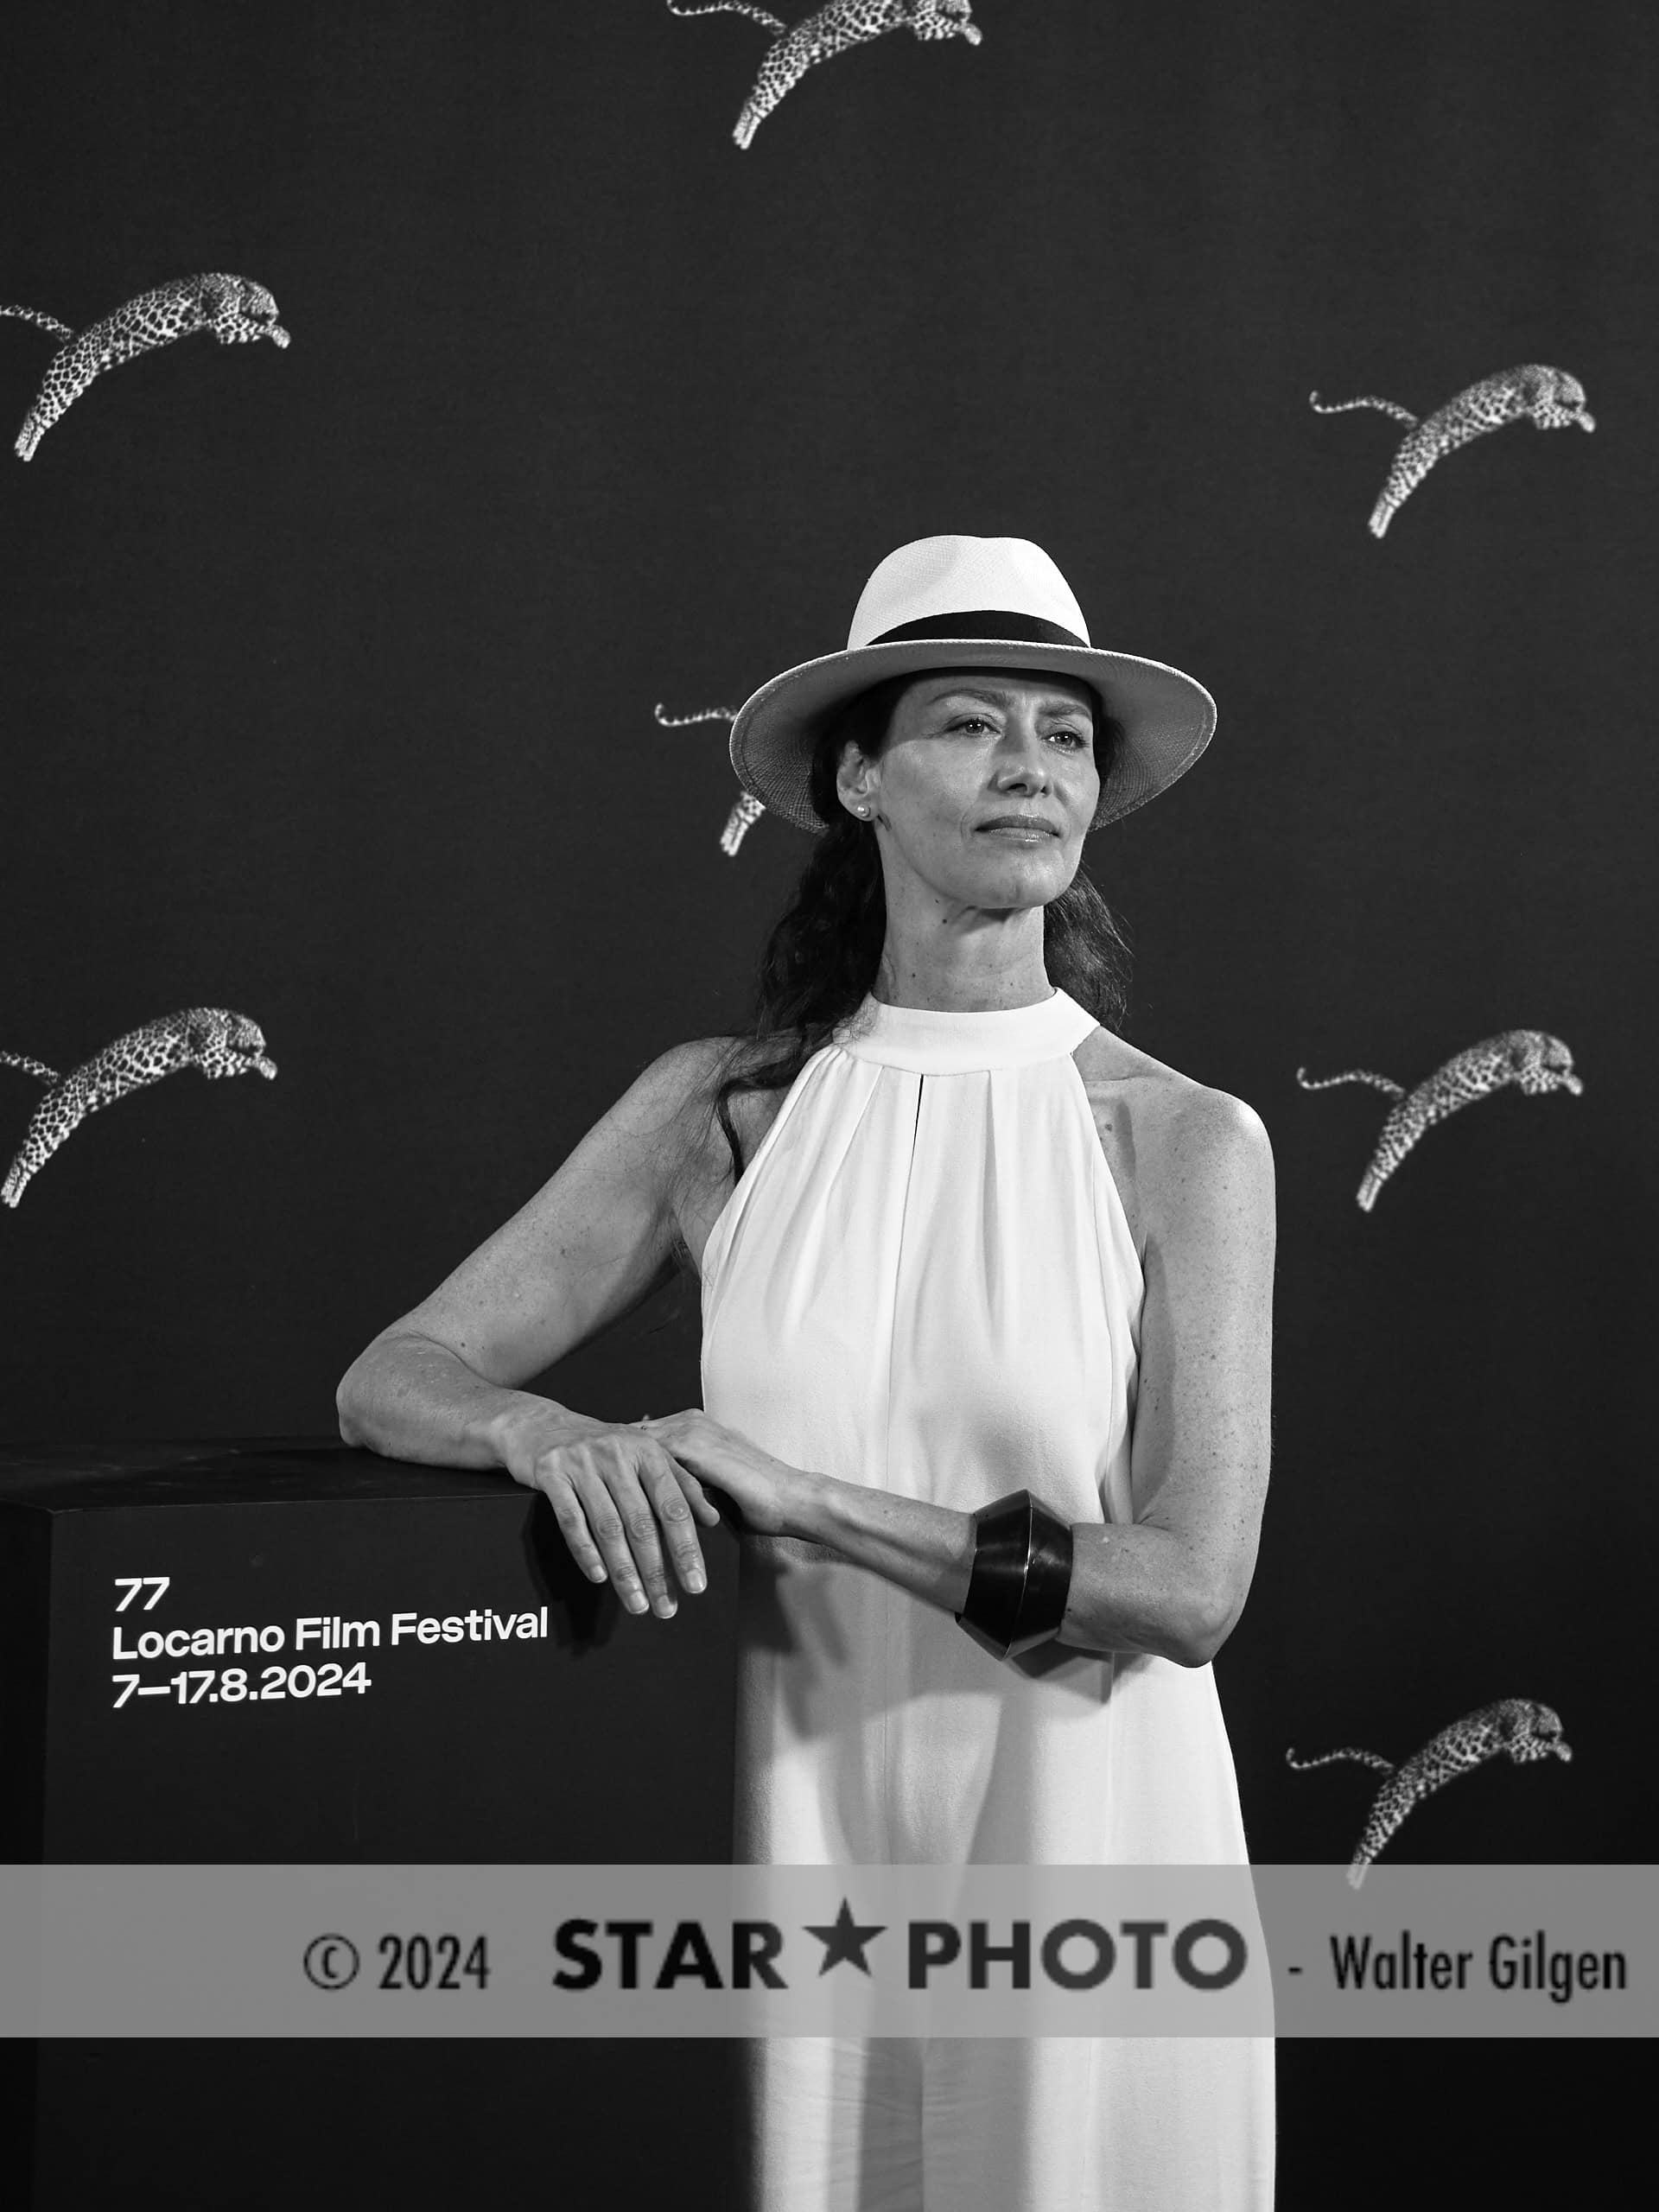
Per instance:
(1531,1059)
(1547,396)
(1515,1726)
(210,1038)
(831,30)
(747,810)
(235,310)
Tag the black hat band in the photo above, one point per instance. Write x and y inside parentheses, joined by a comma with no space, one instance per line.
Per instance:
(986,623)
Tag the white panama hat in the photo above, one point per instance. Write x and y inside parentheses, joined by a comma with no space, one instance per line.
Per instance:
(970,602)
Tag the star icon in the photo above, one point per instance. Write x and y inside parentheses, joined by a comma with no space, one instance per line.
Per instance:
(844,1939)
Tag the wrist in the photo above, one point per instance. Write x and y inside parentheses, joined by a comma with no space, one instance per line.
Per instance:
(501,1428)
(927,1549)
(815,1512)
(1019,1588)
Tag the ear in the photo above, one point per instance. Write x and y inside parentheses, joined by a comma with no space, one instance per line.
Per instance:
(857,780)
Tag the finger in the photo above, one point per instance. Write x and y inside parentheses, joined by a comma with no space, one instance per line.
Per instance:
(698,1498)
(608,1519)
(705,1507)
(559,1488)
(669,1488)
(706,1512)
(575,1481)
(625,1527)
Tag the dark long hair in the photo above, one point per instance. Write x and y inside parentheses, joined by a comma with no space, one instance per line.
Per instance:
(821,958)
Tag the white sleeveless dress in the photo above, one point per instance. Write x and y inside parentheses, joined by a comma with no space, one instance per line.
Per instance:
(925,1282)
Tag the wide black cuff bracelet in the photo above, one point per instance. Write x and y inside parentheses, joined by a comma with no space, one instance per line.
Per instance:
(1021,1577)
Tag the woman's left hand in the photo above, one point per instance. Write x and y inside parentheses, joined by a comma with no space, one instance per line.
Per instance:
(769,1493)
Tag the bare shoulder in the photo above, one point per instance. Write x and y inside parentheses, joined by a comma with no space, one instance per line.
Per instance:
(1175,1145)
(679,1090)
(673,1095)
(681,1087)
(691,1073)
(684,1071)
(687,1076)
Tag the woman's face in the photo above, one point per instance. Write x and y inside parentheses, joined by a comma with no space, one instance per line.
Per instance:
(971,750)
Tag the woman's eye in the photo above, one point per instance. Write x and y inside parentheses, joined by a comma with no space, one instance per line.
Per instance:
(1076,739)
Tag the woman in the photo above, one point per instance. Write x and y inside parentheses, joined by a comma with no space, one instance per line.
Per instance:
(979,1250)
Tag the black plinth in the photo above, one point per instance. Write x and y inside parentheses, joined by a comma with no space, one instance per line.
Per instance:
(293,1650)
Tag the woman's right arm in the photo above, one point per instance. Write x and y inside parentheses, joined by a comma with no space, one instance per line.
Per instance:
(444,1383)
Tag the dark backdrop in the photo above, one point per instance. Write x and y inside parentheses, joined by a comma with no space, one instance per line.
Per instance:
(331,675)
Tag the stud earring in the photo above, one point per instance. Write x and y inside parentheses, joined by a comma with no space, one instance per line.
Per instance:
(861,811)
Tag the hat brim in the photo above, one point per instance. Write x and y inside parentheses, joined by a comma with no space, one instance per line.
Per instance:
(1168,718)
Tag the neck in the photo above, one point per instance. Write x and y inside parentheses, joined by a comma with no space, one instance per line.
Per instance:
(975,962)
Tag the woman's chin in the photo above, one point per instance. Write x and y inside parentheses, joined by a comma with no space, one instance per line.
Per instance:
(1023,878)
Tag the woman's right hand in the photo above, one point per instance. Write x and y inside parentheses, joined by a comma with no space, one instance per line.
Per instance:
(620,1498)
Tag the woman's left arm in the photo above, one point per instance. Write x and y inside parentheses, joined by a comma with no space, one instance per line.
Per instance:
(1174,1581)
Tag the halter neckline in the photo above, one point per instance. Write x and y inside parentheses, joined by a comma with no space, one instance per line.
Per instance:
(942,1040)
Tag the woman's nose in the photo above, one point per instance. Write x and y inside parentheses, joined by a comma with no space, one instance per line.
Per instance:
(1024,761)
